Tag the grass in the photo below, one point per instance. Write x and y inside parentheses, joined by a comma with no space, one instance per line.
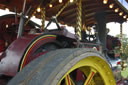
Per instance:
(124,73)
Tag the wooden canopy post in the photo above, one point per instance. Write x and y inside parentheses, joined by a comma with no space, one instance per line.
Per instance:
(43,18)
(79,19)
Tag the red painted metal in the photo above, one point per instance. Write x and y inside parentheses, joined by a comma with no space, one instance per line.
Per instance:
(9,65)
(9,28)
(80,76)
(12,56)
(31,55)
(112,42)
(2,45)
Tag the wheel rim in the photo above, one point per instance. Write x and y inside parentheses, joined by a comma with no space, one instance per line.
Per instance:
(95,71)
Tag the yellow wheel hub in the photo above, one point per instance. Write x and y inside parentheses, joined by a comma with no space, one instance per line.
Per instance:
(95,69)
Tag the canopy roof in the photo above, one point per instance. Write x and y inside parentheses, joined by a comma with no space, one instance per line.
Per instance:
(127,1)
(69,14)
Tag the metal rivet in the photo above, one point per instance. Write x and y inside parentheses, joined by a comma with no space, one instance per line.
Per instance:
(108,72)
(103,66)
(111,80)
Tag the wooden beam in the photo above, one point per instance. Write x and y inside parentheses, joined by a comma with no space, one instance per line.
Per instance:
(89,15)
(90,19)
(66,12)
(90,23)
(55,8)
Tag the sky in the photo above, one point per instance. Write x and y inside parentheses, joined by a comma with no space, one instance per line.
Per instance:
(114,27)
(124,3)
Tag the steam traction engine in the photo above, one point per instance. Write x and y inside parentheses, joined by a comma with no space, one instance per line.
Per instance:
(54,57)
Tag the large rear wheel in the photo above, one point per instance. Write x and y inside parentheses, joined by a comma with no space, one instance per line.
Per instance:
(66,67)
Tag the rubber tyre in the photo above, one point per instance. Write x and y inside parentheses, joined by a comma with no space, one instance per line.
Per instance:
(49,68)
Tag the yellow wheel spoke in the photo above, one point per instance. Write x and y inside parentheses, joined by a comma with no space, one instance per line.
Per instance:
(90,76)
(59,84)
(93,71)
(68,80)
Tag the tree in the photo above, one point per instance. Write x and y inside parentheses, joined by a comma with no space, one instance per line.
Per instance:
(125,46)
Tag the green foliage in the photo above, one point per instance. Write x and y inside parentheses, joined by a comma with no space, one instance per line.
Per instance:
(125,46)
(124,73)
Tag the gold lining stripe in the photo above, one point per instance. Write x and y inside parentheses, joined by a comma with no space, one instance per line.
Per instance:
(22,62)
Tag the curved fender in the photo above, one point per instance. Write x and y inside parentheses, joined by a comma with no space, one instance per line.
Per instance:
(16,53)
(13,54)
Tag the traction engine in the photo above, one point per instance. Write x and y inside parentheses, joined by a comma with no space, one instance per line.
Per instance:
(17,53)
(31,56)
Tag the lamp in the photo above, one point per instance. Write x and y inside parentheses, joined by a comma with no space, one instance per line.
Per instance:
(50,5)
(121,13)
(111,6)
(38,9)
(105,1)
(125,16)
(71,1)
(117,10)
(60,1)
